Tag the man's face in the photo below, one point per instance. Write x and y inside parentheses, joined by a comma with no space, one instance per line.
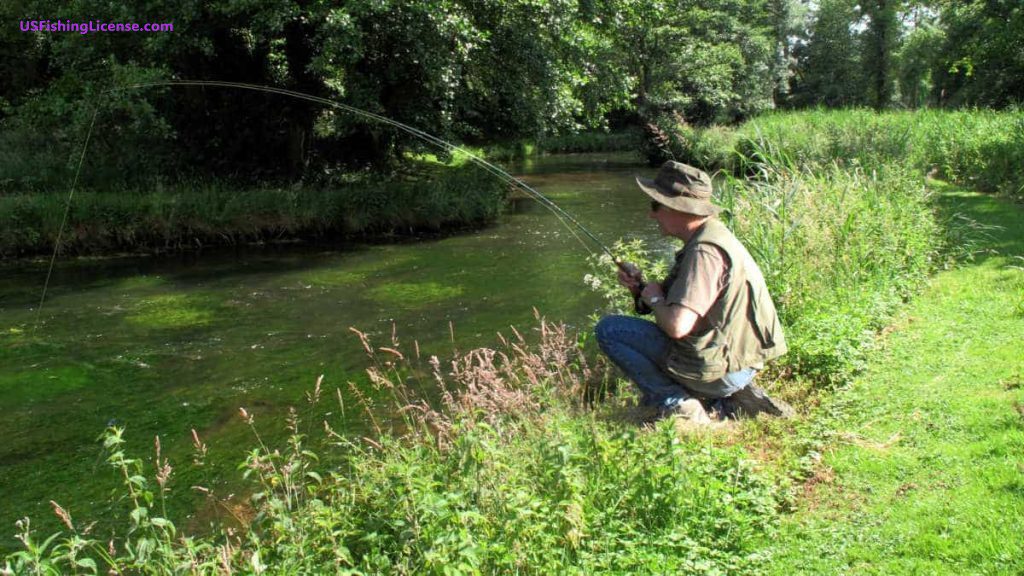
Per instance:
(665,217)
(674,223)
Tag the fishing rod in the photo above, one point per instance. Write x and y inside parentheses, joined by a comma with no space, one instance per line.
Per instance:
(559,212)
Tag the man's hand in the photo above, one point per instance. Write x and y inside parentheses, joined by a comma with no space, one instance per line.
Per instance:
(630,277)
(651,290)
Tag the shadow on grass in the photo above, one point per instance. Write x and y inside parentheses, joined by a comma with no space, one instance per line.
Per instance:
(982,224)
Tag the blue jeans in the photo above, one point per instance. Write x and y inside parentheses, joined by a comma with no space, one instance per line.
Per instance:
(639,348)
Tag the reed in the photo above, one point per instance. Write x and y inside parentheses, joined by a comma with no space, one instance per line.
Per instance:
(982,149)
(165,219)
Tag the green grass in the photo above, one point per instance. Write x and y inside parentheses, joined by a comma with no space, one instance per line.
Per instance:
(924,470)
(981,149)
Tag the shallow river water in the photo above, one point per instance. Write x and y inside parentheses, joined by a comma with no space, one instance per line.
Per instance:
(163,345)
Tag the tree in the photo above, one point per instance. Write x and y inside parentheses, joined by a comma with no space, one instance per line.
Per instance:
(830,64)
(982,57)
(881,38)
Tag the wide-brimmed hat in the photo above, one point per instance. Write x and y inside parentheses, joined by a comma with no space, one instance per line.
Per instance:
(681,187)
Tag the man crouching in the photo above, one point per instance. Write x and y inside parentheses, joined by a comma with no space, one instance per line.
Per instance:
(715,323)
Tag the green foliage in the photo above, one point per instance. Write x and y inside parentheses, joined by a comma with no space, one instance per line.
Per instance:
(506,475)
(479,72)
(604,273)
(980,148)
(887,53)
(830,65)
(840,250)
(981,61)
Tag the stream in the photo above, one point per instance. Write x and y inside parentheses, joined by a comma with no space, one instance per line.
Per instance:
(163,345)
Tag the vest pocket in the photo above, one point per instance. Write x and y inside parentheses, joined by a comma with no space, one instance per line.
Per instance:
(761,315)
(702,358)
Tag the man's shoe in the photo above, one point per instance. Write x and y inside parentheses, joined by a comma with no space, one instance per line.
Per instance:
(690,409)
(753,400)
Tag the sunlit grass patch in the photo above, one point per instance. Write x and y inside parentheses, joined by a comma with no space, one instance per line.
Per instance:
(171,311)
(332,278)
(346,272)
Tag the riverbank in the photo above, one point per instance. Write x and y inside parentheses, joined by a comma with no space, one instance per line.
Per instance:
(921,469)
(162,345)
(425,197)
(169,219)
(512,468)
(980,149)
(496,462)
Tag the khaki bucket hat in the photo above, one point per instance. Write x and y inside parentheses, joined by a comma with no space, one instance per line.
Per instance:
(681,187)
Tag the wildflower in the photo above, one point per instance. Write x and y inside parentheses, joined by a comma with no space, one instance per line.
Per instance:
(63,514)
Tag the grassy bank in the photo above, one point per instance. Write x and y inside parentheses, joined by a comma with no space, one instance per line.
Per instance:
(923,473)
(507,471)
(981,149)
(428,196)
(164,219)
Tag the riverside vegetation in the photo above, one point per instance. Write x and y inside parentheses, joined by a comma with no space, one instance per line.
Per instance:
(424,195)
(426,198)
(518,458)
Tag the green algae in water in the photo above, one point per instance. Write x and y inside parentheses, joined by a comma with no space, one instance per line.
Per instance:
(346,274)
(38,384)
(171,311)
(334,278)
(139,283)
(413,293)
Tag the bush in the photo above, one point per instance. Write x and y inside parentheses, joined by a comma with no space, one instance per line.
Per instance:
(503,473)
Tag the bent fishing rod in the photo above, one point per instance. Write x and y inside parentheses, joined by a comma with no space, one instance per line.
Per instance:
(563,216)
(444,145)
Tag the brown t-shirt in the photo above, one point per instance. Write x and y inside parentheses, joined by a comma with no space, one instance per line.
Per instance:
(696,281)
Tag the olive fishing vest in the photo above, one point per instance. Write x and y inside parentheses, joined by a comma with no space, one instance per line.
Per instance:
(742,326)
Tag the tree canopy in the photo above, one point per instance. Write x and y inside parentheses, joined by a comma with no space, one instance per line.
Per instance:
(472,71)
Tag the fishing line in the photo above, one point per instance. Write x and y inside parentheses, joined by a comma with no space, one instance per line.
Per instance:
(64,221)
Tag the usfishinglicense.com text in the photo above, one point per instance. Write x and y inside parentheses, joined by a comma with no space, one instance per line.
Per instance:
(92,26)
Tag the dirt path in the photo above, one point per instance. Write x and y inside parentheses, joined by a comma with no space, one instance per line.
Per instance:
(925,471)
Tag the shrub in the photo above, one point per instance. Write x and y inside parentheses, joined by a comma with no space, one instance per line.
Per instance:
(503,473)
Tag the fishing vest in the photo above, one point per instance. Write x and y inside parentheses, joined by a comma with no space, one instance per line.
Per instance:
(742,326)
